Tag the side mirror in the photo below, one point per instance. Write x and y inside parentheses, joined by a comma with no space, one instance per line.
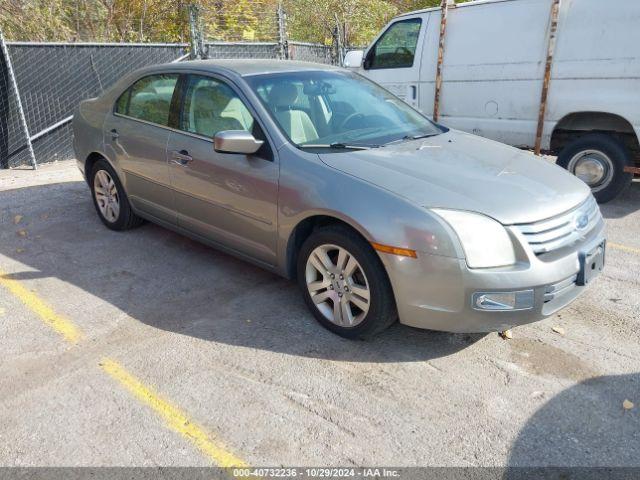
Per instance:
(353,59)
(236,141)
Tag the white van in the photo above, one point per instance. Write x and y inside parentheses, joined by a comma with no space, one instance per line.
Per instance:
(495,55)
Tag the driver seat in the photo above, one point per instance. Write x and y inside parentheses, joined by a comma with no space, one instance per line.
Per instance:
(295,122)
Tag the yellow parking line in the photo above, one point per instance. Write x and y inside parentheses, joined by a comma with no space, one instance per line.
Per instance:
(175,418)
(172,415)
(60,324)
(623,248)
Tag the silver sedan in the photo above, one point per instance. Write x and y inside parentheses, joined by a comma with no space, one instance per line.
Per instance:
(322,176)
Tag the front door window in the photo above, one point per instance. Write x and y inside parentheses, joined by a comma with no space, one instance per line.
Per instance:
(211,106)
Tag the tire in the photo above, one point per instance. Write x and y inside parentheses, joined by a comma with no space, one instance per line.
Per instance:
(590,153)
(369,273)
(124,218)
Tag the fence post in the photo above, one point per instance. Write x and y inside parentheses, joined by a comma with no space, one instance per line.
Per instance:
(4,51)
(195,32)
(444,10)
(339,42)
(283,41)
(553,28)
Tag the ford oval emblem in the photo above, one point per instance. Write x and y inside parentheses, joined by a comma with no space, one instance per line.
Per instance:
(581,221)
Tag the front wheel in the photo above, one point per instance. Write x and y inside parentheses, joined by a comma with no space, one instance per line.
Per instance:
(599,161)
(344,283)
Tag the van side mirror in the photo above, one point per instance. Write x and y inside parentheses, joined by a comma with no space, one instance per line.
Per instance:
(353,59)
(236,141)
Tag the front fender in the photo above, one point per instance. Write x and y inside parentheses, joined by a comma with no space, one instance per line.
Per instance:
(309,188)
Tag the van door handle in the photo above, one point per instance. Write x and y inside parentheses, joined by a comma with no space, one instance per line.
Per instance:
(414,92)
(181,158)
(114,134)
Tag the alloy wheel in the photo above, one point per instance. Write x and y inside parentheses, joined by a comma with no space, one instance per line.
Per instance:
(106,194)
(337,285)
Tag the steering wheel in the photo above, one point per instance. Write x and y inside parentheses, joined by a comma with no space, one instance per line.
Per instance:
(350,117)
(404,50)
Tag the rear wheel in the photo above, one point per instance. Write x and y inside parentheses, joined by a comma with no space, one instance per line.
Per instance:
(598,160)
(110,199)
(344,283)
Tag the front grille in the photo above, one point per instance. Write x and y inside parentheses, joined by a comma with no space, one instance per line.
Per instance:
(562,230)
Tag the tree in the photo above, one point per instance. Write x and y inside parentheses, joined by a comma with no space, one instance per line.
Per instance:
(166,20)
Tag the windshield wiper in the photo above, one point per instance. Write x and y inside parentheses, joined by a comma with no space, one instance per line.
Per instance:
(426,135)
(338,146)
(407,138)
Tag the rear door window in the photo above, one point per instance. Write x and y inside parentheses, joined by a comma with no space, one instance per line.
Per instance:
(396,48)
(149,99)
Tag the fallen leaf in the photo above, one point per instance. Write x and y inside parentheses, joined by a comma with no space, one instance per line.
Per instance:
(2,312)
(558,330)
(19,250)
(627,405)
(507,334)
(22,232)
(17,219)
(44,216)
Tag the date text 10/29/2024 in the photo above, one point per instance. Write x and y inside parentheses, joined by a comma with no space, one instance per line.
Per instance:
(316,472)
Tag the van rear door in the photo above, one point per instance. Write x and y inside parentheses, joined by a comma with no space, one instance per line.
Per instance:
(394,59)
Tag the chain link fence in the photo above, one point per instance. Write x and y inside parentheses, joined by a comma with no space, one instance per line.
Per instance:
(52,79)
(42,83)
(14,147)
(312,52)
(225,50)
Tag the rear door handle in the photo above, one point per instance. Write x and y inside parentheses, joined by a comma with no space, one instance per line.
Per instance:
(181,158)
(114,134)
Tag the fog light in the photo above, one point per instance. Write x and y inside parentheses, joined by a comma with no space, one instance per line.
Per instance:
(501,301)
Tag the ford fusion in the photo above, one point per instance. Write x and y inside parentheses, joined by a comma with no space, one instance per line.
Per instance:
(322,176)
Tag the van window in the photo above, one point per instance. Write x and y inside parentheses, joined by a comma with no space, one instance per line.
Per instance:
(396,48)
(149,99)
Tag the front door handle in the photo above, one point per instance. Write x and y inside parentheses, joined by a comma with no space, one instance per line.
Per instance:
(114,134)
(181,158)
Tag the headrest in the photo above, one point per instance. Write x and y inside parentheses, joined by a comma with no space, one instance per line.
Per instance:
(283,94)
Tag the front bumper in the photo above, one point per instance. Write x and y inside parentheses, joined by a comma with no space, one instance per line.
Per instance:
(435,292)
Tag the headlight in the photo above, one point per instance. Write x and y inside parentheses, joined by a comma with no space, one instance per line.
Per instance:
(486,243)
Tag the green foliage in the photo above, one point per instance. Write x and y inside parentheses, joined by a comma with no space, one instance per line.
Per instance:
(166,20)
(360,20)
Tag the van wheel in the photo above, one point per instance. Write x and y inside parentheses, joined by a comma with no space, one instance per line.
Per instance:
(110,199)
(598,160)
(345,284)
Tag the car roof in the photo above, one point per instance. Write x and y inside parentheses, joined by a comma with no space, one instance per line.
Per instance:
(247,67)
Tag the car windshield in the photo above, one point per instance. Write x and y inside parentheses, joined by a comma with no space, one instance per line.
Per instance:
(338,110)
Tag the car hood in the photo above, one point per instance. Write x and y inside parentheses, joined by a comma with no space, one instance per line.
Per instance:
(460,171)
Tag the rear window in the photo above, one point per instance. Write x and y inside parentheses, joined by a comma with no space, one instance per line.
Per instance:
(149,99)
